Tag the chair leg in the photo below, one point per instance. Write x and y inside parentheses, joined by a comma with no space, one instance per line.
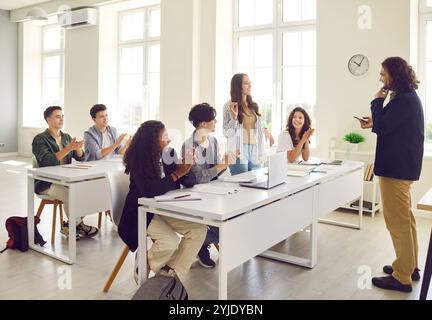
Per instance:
(54,222)
(116,269)
(427,272)
(61,214)
(41,207)
(108,213)
(100,220)
(216,246)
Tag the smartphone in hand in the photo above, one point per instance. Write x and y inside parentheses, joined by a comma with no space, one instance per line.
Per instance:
(360,119)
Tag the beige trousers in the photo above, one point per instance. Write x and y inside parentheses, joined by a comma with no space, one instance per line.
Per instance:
(400,221)
(61,193)
(166,249)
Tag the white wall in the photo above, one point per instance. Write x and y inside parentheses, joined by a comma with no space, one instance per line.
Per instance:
(196,65)
(8,83)
(341,95)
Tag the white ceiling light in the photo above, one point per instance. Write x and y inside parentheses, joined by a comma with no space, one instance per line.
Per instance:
(37,14)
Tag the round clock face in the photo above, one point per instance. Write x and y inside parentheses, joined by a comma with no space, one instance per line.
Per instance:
(358,64)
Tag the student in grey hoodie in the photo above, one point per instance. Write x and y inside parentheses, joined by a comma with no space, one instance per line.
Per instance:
(208,164)
(101,140)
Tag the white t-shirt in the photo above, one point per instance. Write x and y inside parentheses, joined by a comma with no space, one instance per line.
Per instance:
(285,143)
(106,142)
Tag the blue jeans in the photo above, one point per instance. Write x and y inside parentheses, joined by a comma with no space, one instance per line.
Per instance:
(247,161)
(212,236)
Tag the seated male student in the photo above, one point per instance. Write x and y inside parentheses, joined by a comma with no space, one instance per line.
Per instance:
(101,140)
(52,148)
(208,166)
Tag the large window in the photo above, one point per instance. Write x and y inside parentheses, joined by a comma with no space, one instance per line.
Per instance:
(52,66)
(139,66)
(277,49)
(425,70)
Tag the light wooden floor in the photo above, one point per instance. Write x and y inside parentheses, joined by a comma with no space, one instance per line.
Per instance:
(341,252)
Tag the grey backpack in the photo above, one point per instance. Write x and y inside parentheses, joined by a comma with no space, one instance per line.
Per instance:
(161,288)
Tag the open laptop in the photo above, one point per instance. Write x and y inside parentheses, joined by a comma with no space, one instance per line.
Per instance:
(277,168)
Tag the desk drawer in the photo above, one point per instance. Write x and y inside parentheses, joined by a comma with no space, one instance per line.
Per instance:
(339,191)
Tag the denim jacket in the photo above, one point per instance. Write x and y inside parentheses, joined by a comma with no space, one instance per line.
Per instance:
(93,142)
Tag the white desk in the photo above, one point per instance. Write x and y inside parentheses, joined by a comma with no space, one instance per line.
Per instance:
(253,220)
(89,193)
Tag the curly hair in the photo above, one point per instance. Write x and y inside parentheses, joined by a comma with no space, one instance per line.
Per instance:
(290,128)
(402,75)
(236,96)
(144,152)
(202,112)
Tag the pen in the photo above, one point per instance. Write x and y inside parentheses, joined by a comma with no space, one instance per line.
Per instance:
(184,196)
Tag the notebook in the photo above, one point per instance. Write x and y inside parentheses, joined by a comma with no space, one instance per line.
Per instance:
(203,188)
(178,196)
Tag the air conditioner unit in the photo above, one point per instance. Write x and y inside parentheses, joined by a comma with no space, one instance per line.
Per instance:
(77,18)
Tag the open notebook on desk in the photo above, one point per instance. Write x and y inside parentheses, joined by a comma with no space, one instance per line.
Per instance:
(205,188)
(298,170)
(178,196)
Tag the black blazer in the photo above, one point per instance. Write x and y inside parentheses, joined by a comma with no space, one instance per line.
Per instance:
(400,136)
(141,186)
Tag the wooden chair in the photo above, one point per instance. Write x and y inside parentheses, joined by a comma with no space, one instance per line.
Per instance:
(56,203)
(116,269)
(107,214)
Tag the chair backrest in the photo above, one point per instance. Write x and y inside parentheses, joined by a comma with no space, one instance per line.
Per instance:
(119,187)
(34,162)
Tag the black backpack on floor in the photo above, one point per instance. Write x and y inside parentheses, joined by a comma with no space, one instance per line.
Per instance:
(18,234)
(161,288)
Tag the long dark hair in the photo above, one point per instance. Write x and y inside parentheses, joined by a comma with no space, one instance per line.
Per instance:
(291,129)
(402,75)
(144,153)
(236,96)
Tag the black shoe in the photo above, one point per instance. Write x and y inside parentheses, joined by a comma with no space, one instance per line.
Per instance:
(415,275)
(391,283)
(204,258)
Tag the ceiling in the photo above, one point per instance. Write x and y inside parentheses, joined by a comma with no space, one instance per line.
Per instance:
(15,4)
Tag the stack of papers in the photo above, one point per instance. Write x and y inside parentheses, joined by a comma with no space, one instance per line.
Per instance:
(238,179)
(178,196)
(204,188)
(298,170)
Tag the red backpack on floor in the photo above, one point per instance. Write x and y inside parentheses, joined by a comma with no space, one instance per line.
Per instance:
(18,234)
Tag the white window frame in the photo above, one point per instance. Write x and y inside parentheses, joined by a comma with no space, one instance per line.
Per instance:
(52,53)
(424,16)
(146,42)
(277,28)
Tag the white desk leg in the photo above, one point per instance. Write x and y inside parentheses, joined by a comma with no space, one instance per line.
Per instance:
(72,225)
(373,198)
(142,245)
(360,222)
(313,244)
(223,273)
(30,211)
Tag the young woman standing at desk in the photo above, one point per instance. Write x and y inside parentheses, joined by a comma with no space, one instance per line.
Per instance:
(242,126)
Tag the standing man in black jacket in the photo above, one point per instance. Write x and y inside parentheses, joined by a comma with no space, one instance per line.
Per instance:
(399,127)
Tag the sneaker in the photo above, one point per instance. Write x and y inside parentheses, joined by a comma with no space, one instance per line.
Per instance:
(415,275)
(391,283)
(167,272)
(135,275)
(86,231)
(64,230)
(204,257)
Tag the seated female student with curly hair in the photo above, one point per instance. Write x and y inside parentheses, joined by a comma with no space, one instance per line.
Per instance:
(154,170)
(295,139)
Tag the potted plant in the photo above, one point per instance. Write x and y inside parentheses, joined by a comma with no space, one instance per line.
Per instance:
(354,139)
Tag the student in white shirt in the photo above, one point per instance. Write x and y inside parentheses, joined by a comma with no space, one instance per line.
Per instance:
(101,140)
(295,138)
